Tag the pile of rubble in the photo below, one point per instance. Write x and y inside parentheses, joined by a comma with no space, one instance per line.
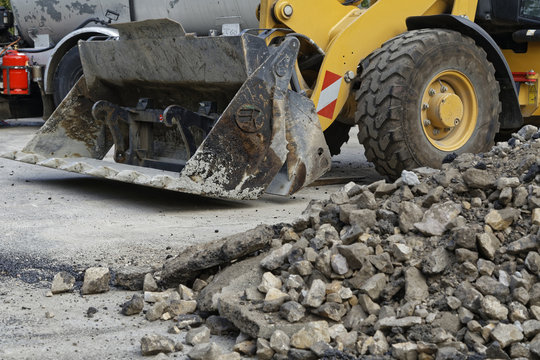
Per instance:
(441,264)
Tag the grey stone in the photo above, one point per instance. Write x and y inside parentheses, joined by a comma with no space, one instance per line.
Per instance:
(207,351)
(493,308)
(374,286)
(354,318)
(494,351)
(409,178)
(433,196)
(96,280)
(131,277)
(198,335)
(169,295)
(478,179)
(276,258)
(365,200)
(401,252)
(506,334)
(332,311)
(339,264)
(155,344)
(355,254)
(363,219)
(520,350)
(246,347)
(466,255)
(385,189)
(382,262)
(316,294)
(409,214)
(531,328)
(521,294)
(189,320)
(274,299)
(149,283)
(404,351)
(300,354)
(264,351)
(437,261)
(155,312)
(280,342)
(320,348)
(303,268)
(133,306)
(436,220)
(448,321)
(504,182)
(506,196)
(292,311)
(310,334)
(527,132)
(489,286)
(465,237)
(219,325)
(404,322)
(469,296)
(449,353)
(62,282)
(465,315)
(533,262)
(368,305)
(525,244)
(181,307)
(488,245)
(416,288)
(500,220)
(269,281)
(485,267)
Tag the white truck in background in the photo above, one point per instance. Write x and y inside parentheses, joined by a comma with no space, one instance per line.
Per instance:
(47,32)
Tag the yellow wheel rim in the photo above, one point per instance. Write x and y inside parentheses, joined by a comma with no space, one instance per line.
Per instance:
(449,110)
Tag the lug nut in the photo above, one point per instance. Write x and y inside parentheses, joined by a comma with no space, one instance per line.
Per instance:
(444,89)
(427,122)
(349,76)
(288,10)
(431,92)
(436,132)
(425,106)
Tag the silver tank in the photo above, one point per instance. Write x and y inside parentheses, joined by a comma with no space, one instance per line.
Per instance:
(57,18)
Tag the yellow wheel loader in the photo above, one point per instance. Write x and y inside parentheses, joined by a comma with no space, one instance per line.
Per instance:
(235,117)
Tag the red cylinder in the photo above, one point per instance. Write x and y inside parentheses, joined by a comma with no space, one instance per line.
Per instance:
(16,73)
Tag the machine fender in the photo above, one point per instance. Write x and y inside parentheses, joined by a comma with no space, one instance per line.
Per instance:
(67,42)
(510,116)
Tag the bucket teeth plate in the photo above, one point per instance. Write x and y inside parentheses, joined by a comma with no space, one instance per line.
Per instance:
(158,179)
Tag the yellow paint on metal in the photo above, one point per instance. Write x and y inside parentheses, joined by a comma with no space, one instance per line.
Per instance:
(348,34)
(465,8)
(445,109)
(449,110)
(524,62)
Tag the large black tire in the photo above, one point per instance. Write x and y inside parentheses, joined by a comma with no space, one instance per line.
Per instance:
(389,102)
(336,135)
(67,74)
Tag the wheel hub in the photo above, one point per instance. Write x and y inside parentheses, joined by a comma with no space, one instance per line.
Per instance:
(445,110)
(449,110)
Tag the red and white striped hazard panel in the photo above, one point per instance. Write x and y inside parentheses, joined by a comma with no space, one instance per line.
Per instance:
(329,95)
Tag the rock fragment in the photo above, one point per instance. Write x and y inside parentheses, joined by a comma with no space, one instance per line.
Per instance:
(62,282)
(155,344)
(96,280)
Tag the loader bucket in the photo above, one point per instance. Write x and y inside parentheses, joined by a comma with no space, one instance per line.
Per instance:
(204,115)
